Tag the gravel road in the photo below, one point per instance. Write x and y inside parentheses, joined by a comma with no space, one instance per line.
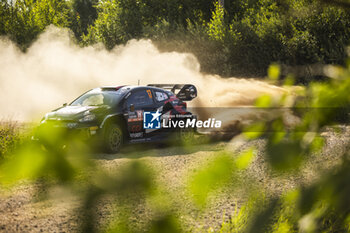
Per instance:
(24,208)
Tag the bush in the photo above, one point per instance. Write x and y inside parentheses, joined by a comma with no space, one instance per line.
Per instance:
(9,138)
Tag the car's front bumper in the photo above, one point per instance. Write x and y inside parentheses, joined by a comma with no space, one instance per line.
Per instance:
(61,130)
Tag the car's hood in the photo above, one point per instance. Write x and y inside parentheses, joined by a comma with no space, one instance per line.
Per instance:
(72,112)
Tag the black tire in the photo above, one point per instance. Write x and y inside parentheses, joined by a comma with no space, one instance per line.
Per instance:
(113,138)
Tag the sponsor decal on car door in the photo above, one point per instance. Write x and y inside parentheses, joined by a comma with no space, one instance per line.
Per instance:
(135,120)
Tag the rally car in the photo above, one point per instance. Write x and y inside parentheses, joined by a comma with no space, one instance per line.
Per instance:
(117,115)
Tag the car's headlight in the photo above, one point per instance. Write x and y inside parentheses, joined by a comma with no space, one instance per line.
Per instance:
(87,117)
(44,118)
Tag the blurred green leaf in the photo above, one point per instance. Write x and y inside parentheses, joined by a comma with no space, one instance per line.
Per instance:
(264,101)
(289,80)
(317,144)
(27,163)
(244,159)
(213,175)
(255,130)
(285,155)
(273,71)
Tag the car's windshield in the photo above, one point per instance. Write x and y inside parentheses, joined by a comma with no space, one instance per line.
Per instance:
(95,98)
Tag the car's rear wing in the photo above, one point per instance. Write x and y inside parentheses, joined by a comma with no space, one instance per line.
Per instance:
(185,92)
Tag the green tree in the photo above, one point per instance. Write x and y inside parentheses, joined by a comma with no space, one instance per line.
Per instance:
(53,12)
(217,26)
(22,27)
(23,20)
(85,13)
(4,15)
(107,27)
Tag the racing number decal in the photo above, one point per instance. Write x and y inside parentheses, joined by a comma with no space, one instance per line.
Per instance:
(149,93)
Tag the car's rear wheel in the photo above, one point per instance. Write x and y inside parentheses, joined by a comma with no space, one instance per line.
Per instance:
(113,139)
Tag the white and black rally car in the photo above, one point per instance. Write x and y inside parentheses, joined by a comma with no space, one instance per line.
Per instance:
(114,116)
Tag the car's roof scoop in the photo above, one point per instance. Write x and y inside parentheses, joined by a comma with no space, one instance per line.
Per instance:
(185,92)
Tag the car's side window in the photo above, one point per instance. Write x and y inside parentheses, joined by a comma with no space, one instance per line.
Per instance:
(161,96)
(139,99)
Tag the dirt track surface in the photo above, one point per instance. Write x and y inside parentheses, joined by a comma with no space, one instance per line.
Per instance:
(24,208)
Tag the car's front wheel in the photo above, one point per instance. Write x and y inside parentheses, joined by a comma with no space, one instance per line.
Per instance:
(113,138)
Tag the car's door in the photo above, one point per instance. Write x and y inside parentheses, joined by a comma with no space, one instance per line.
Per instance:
(136,103)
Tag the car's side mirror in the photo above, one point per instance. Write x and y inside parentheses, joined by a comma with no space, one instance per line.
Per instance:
(65,104)
(132,108)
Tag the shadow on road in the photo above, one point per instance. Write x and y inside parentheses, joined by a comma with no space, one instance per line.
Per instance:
(160,149)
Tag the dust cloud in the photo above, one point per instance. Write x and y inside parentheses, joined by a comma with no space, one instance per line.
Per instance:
(55,70)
